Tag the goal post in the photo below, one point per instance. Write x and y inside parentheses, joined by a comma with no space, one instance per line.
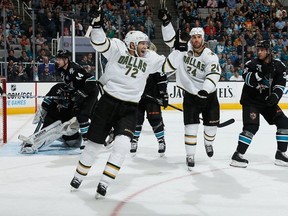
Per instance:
(3,111)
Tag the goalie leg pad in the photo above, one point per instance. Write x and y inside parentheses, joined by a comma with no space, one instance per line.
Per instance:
(42,138)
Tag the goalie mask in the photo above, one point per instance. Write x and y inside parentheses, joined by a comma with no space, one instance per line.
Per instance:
(135,37)
(194,32)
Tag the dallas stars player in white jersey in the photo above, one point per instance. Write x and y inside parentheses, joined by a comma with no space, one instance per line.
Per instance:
(129,65)
(198,72)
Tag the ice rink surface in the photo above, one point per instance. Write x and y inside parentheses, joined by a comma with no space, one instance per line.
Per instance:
(147,185)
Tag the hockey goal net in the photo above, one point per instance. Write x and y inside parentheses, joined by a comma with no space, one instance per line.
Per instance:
(3,111)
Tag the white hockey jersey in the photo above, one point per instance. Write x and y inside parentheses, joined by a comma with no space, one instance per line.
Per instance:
(193,73)
(125,75)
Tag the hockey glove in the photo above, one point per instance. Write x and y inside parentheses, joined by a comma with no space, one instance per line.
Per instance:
(181,40)
(78,98)
(202,98)
(164,99)
(96,17)
(272,99)
(164,16)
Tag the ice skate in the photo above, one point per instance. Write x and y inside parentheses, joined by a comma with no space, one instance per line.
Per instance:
(238,160)
(75,184)
(190,162)
(101,190)
(134,146)
(162,147)
(209,150)
(281,159)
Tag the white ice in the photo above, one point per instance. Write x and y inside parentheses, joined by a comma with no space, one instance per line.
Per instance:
(147,185)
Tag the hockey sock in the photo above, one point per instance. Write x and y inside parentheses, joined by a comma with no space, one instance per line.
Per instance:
(87,159)
(158,128)
(116,159)
(282,139)
(191,138)
(209,134)
(137,132)
(245,139)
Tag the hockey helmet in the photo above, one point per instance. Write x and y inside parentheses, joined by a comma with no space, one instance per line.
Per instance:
(63,54)
(197,31)
(265,44)
(135,37)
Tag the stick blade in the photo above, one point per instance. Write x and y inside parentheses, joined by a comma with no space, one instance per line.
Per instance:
(226,123)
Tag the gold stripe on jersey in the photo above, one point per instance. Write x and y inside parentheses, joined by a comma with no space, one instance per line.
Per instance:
(108,174)
(101,44)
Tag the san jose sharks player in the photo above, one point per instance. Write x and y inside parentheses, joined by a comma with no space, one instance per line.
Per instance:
(265,81)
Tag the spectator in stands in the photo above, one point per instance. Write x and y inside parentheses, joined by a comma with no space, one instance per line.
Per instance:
(220,46)
(43,66)
(24,57)
(24,41)
(91,62)
(236,76)
(39,41)
(210,31)
(46,75)
(51,26)
(11,56)
(11,71)
(21,74)
(284,39)
(280,24)
(212,4)
(231,4)
(284,55)
(222,3)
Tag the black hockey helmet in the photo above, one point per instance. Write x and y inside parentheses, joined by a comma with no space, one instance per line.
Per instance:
(63,54)
(264,44)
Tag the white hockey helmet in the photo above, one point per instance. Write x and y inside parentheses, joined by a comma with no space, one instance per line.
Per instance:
(197,31)
(135,37)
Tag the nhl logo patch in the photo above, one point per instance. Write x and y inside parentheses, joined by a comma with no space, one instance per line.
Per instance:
(253,115)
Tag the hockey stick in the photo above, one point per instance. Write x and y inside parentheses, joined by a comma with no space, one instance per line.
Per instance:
(162,4)
(158,101)
(88,32)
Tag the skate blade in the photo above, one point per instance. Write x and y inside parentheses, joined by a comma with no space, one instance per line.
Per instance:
(238,164)
(162,154)
(98,196)
(281,163)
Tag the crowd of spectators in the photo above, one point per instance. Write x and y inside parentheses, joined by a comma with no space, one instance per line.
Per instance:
(122,16)
(232,29)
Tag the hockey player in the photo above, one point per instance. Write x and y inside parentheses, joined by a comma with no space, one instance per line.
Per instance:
(129,64)
(83,85)
(198,72)
(156,87)
(54,118)
(265,81)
